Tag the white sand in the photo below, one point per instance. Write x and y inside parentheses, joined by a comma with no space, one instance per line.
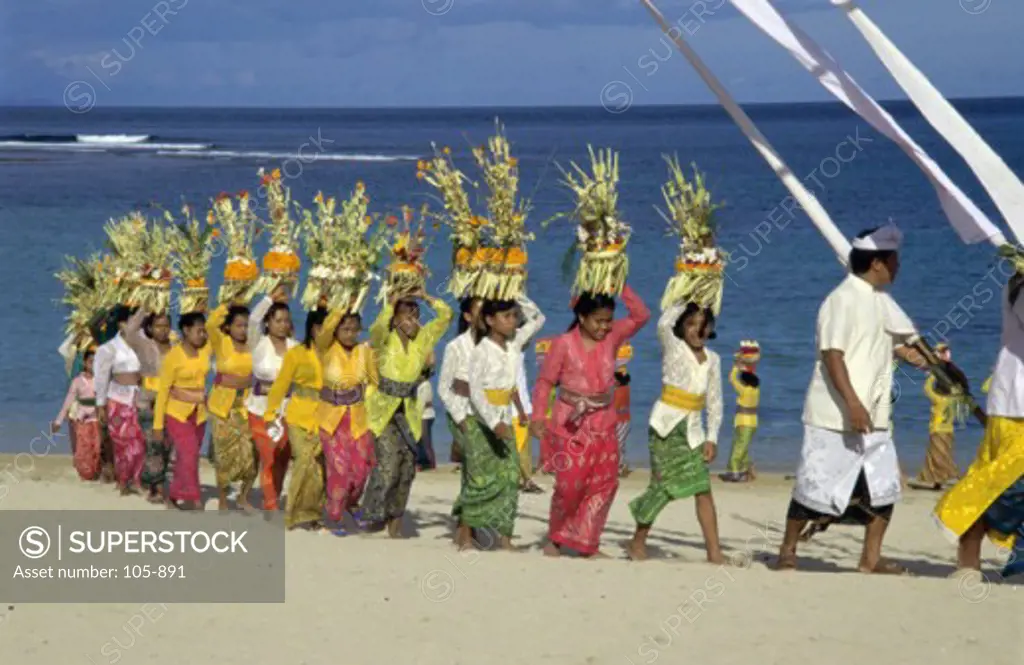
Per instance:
(370,600)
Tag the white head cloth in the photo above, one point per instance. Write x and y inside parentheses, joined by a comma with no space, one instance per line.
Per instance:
(886,238)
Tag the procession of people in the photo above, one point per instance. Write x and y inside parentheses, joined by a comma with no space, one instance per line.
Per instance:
(347,419)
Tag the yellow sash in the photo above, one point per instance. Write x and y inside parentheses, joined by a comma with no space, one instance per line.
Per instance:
(499,397)
(681,399)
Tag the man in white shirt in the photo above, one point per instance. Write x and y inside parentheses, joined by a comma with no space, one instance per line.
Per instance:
(848,463)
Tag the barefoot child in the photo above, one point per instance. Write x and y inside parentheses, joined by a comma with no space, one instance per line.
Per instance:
(681,448)
(84,422)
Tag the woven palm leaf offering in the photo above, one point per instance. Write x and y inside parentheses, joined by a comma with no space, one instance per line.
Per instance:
(126,240)
(700,266)
(501,256)
(153,292)
(345,246)
(238,225)
(89,290)
(440,172)
(281,263)
(601,234)
(193,241)
(406,273)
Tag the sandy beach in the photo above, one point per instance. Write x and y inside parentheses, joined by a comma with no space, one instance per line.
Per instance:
(370,600)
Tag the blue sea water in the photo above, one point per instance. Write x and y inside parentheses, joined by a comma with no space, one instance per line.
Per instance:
(56,193)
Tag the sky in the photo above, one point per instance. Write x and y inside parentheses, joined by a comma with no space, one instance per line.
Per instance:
(425,53)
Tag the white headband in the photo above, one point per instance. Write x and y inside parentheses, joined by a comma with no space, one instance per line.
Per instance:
(886,238)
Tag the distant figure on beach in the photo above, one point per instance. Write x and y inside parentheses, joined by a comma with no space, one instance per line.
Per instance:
(989,499)
(848,465)
(623,416)
(544,460)
(681,446)
(582,363)
(939,465)
(79,409)
(747,385)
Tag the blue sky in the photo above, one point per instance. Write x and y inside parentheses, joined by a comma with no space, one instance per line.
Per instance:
(471,52)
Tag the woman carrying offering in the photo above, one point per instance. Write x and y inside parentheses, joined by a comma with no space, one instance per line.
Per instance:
(85,423)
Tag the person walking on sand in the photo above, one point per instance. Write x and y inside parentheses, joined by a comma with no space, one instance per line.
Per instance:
(848,458)
(586,450)
(84,422)
(747,385)
(453,382)
(939,465)
(681,447)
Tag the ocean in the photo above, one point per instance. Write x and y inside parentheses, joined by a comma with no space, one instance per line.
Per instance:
(62,176)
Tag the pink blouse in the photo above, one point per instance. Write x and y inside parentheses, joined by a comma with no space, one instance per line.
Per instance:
(82,388)
(590,373)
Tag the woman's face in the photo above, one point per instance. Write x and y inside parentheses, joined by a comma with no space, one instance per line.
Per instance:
(238,330)
(347,332)
(694,331)
(407,319)
(161,329)
(87,364)
(598,323)
(504,323)
(195,335)
(279,326)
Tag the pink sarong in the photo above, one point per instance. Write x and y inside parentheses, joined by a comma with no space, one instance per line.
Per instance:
(347,462)
(187,439)
(129,443)
(87,448)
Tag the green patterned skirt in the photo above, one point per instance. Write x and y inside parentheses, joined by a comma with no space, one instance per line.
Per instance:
(489,498)
(235,455)
(677,472)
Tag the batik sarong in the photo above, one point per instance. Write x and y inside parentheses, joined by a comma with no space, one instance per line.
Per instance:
(739,458)
(347,463)
(234,452)
(87,449)
(939,465)
(387,492)
(586,465)
(129,443)
(306,486)
(677,472)
(489,498)
(158,453)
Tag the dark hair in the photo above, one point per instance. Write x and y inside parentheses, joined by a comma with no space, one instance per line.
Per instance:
(150,320)
(622,378)
(750,379)
(403,302)
(274,309)
(465,307)
(234,312)
(492,307)
(691,310)
(89,353)
(351,315)
(190,320)
(313,319)
(588,303)
(120,314)
(861,259)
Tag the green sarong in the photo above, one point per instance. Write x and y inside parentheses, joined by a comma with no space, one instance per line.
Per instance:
(158,455)
(739,459)
(677,472)
(489,498)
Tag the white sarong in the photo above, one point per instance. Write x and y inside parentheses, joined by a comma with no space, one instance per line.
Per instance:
(831,462)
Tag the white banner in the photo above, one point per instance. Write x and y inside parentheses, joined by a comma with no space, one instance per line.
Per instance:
(899,322)
(970,223)
(999,181)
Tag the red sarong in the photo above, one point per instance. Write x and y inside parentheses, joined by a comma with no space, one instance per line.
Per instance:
(274,458)
(129,443)
(586,465)
(87,448)
(347,462)
(187,439)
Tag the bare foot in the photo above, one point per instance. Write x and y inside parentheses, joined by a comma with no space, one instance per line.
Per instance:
(883,568)
(552,550)
(223,506)
(636,551)
(507,546)
(395,528)
(717,558)
(598,555)
(245,507)
(463,537)
(786,561)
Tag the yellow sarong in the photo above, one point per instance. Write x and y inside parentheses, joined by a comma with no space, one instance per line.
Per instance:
(1000,463)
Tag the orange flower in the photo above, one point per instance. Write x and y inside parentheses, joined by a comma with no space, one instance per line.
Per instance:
(222,196)
(446,150)
(215,233)
(360,186)
(210,218)
(391,220)
(241,272)
(243,194)
(281,262)
(319,198)
(276,174)
(420,175)
(367,220)
(512,161)
(196,283)
(266,180)
(421,165)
